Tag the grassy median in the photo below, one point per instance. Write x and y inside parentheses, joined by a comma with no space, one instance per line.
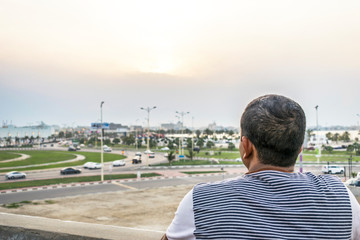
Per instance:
(52,158)
(66,180)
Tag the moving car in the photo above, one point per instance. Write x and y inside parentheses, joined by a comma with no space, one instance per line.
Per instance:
(150,153)
(70,170)
(165,149)
(332,169)
(138,154)
(107,149)
(15,175)
(136,160)
(71,149)
(87,164)
(95,166)
(118,163)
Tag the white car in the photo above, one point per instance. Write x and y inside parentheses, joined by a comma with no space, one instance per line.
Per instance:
(148,151)
(332,169)
(165,149)
(87,164)
(118,163)
(14,175)
(138,154)
(107,149)
(95,166)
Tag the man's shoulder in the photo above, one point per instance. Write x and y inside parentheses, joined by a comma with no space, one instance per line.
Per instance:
(222,183)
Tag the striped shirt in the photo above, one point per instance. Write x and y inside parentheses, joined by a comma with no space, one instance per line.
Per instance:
(273,205)
(268,205)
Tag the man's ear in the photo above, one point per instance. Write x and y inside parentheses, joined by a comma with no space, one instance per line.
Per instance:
(302,147)
(248,147)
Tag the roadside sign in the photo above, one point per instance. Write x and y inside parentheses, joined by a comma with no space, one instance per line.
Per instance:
(95,126)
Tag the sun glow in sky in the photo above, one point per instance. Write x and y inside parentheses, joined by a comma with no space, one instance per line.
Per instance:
(207,57)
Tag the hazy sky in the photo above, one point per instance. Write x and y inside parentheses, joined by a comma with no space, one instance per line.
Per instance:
(60,59)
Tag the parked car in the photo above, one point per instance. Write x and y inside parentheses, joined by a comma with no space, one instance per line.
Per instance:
(148,151)
(71,149)
(332,169)
(358,175)
(15,175)
(94,166)
(78,148)
(87,164)
(151,155)
(238,159)
(350,182)
(118,163)
(165,149)
(136,160)
(70,170)
(357,183)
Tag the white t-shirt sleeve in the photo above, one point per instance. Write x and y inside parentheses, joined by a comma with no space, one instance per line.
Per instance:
(355,215)
(183,224)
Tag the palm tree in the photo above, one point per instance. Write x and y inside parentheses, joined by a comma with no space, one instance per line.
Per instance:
(336,137)
(171,157)
(309,134)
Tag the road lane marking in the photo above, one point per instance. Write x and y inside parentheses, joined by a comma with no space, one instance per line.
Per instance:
(123,185)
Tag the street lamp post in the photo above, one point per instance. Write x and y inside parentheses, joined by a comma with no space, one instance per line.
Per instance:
(136,135)
(317,135)
(102,150)
(182,129)
(148,109)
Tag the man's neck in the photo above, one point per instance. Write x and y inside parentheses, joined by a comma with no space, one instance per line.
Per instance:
(256,166)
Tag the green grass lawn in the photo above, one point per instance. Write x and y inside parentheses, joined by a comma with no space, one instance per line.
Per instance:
(53,157)
(223,155)
(39,157)
(35,183)
(196,162)
(8,155)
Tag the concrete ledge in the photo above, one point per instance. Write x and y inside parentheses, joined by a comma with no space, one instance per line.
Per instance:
(24,227)
(19,233)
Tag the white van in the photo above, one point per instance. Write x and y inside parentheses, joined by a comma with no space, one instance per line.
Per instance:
(332,169)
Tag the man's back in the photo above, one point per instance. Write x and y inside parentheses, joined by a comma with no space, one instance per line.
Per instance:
(273,205)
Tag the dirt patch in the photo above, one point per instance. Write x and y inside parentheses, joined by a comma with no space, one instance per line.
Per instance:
(149,208)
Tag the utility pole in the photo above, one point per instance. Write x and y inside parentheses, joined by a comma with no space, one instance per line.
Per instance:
(148,109)
(318,136)
(182,129)
(102,150)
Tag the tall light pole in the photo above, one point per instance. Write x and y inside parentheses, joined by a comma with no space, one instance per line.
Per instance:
(148,109)
(182,129)
(102,150)
(192,134)
(136,135)
(317,135)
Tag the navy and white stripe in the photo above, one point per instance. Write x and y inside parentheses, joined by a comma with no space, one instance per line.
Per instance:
(273,205)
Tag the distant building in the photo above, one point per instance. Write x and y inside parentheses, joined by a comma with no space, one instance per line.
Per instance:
(41,130)
(171,126)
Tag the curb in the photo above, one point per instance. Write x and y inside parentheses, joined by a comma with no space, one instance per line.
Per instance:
(108,182)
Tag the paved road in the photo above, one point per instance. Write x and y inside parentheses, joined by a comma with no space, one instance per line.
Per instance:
(91,189)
